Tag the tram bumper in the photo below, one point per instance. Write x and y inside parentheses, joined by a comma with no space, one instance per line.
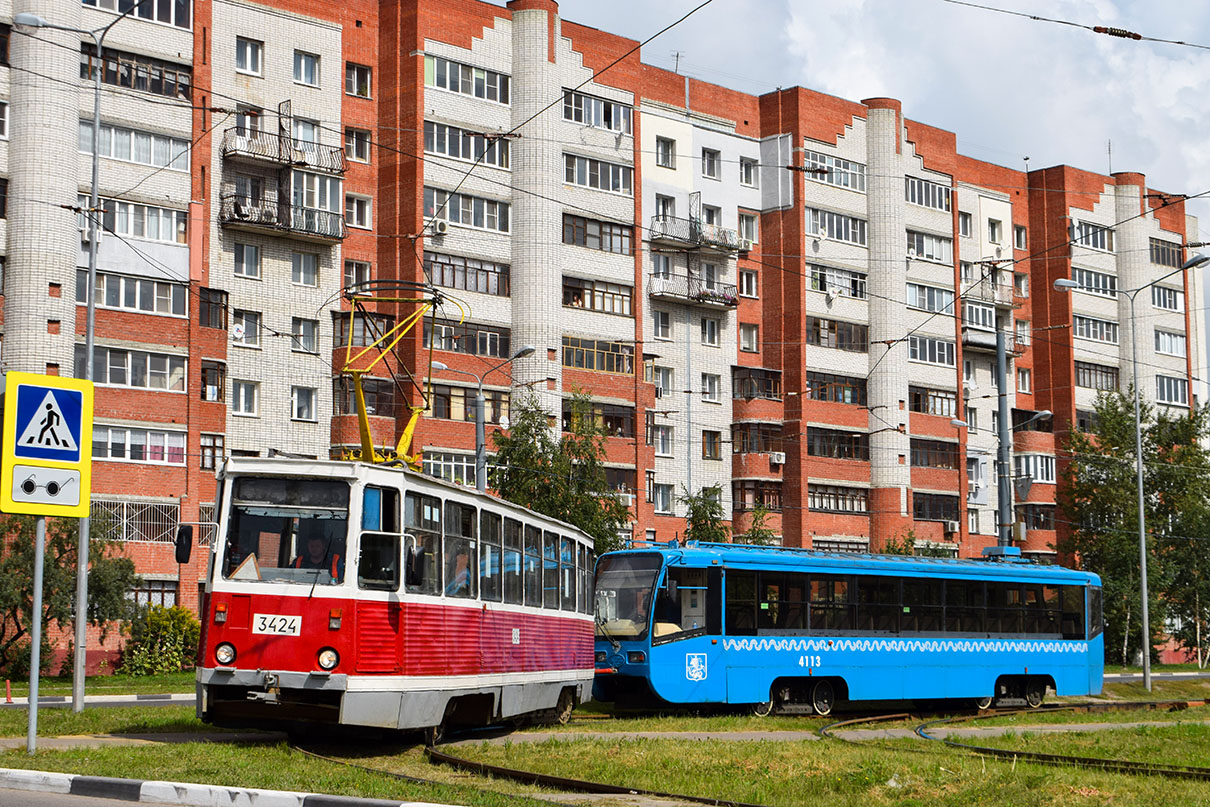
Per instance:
(233,697)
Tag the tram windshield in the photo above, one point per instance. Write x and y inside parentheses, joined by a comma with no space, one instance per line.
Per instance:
(624,587)
(285,530)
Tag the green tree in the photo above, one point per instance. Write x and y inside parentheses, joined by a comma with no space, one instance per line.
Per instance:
(757,533)
(704,517)
(162,640)
(906,544)
(110,577)
(562,477)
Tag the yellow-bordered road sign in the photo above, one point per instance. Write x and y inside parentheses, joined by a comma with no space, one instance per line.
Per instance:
(47,449)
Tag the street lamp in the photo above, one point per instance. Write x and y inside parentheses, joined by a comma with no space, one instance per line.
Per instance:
(480,437)
(1064,284)
(30,20)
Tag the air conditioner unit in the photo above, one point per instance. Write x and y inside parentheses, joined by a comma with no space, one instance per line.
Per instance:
(440,226)
(951,528)
(777,457)
(745,245)
(86,233)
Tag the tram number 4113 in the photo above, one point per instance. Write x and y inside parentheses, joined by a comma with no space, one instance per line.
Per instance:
(810,661)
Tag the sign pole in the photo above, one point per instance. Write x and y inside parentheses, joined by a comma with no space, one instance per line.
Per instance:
(35,649)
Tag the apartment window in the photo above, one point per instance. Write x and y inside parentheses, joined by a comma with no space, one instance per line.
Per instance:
(664,380)
(1086,421)
(357,80)
(1039,516)
(933,401)
(712,445)
(965,227)
(600,355)
(966,270)
(135,146)
(212,308)
(748,281)
(133,368)
(212,451)
(4,122)
(747,229)
(1172,390)
(970,416)
(464,79)
(1024,335)
(357,212)
(934,454)
(312,192)
(834,171)
(711,388)
(661,439)
(751,438)
(1024,379)
(1097,330)
(357,145)
(748,175)
(141,73)
(972,521)
(662,324)
(836,226)
(711,162)
(995,230)
(467,274)
(306,68)
(596,112)
(968,370)
(245,328)
(304,334)
(1019,237)
(247,260)
(1038,467)
(614,421)
(467,337)
(458,403)
(1167,299)
(133,294)
(145,222)
(302,403)
(306,131)
(468,211)
(304,268)
(598,174)
(835,388)
(927,350)
(927,247)
(665,152)
(214,381)
(709,331)
(177,13)
(665,206)
(362,331)
(749,338)
(835,334)
(831,280)
(597,295)
(244,395)
(465,145)
(603,235)
(755,382)
(1106,285)
(1165,253)
(248,54)
(1021,284)
(379,395)
(980,316)
(749,494)
(927,194)
(1096,376)
(662,497)
(934,507)
(835,444)
(356,272)
(1094,236)
(837,499)
(1170,343)
(138,445)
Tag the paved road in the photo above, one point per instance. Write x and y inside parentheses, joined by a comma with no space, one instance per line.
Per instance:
(29,798)
(64,701)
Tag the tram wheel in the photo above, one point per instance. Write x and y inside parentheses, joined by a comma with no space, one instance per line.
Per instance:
(564,707)
(763,709)
(1035,691)
(823,697)
(435,735)
(983,704)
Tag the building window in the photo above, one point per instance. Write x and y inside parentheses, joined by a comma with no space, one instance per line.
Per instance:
(468,211)
(661,439)
(1039,516)
(356,272)
(662,324)
(749,494)
(596,112)
(1038,467)
(306,68)
(212,451)
(932,401)
(467,274)
(970,416)
(1019,237)
(1020,284)
(927,247)
(709,331)
(1106,285)
(357,212)
(248,55)
(245,328)
(465,145)
(1169,343)
(4,121)
(839,335)
(926,350)
(749,338)
(838,445)
(1096,376)
(244,398)
(247,260)
(314,192)
(304,268)
(138,445)
(614,421)
(747,283)
(1094,236)
(927,194)
(1172,390)
(598,174)
(357,145)
(1168,299)
(1024,379)
(596,295)
(930,298)
(665,206)
(837,499)
(1086,421)
(1024,334)
(464,79)
(134,146)
(836,226)
(603,235)
(662,378)
(214,378)
(755,382)
(979,316)
(845,282)
(304,334)
(934,507)
(665,152)
(133,368)
(711,162)
(934,454)
(599,355)
(212,308)
(1165,253)
(662,497)
(133,294)
(835,388)
(712,445)
(964,224)
(302,403)
(1097,330)
(357,80)
(711,388)
(753,438)
(466,337)
(141,73)
(834,171)
(137,221)
(747,229)
(364,329)
(995,230)
(457,468)
(378,393)
(177,13)
(748,174)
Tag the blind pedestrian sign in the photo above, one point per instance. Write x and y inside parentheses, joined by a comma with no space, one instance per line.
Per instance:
(47,445)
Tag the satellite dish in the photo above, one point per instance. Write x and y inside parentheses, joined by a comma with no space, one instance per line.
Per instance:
(504,424)
(237,331)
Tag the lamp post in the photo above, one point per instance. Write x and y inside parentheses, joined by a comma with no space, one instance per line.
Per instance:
(480,435)
(30,20)
(1066,284)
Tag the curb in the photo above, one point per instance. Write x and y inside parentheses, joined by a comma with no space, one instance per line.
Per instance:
(180,793)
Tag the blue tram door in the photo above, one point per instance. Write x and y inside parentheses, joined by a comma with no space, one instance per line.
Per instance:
(686,637)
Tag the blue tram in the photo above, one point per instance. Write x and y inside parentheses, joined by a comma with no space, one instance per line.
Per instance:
(796,631)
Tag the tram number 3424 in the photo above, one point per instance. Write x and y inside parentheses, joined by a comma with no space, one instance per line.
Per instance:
(809,661)
(277,625)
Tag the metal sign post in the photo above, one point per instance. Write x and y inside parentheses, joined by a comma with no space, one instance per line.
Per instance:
(35,650)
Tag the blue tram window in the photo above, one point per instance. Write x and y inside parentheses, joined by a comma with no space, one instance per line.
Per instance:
(371,509)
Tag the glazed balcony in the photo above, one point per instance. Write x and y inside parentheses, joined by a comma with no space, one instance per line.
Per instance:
(693,291)
(1000,295)
(693,234)
(984,341)
(275,217)
(270,148)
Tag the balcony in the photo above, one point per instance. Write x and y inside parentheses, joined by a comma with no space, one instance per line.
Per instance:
(998,294)
(270,148)
(692,234)
(692,290)
(269,215)
(984,341)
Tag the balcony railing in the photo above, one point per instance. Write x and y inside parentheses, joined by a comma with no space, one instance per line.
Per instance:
(694,234)
(692,290)
(1000,294)
(984,340)
(271,147)
(270,214)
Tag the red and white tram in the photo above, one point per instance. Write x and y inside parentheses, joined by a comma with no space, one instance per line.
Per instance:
(366,595)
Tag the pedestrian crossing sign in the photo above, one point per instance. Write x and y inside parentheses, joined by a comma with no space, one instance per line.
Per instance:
(47,445)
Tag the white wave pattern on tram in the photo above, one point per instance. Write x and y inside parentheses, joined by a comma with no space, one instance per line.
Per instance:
(906,645)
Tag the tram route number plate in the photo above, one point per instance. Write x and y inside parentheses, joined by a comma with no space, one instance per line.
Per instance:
(277,625)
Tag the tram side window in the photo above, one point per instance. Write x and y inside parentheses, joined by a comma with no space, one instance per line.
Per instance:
(1096,617)
(567,573)
(964,606)
(512,562)
(459,550)
(550,570)
(830,606)
(878,606)
(1041,605)
(782,602)
(378,563)
(380,509)
(533,566)
(490,570)
(1072,598)
(741,603)
(422,544)
(1003,607)
(586,594)
(680,605)
(922,609)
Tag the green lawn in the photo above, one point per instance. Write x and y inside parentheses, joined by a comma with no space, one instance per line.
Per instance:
(110,684)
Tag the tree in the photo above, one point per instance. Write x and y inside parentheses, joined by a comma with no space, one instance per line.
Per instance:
(562,477)
(757,533)
(110,577)
(905,544)
(704,514)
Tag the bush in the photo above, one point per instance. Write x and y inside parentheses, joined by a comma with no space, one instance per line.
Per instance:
(162,640)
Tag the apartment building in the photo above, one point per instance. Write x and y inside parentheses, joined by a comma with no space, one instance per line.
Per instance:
(792,296)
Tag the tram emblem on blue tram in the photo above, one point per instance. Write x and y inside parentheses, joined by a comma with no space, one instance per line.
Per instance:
(695,666)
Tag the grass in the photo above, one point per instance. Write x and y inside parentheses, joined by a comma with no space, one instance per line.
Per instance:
(116,684)
(1187,744)
(126,720)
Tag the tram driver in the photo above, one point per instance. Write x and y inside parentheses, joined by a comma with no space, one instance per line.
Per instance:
(320,554)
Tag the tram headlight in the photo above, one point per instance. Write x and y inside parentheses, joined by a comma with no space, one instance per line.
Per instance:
(328,659)
(636,657)
(600,657)
(225,653)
